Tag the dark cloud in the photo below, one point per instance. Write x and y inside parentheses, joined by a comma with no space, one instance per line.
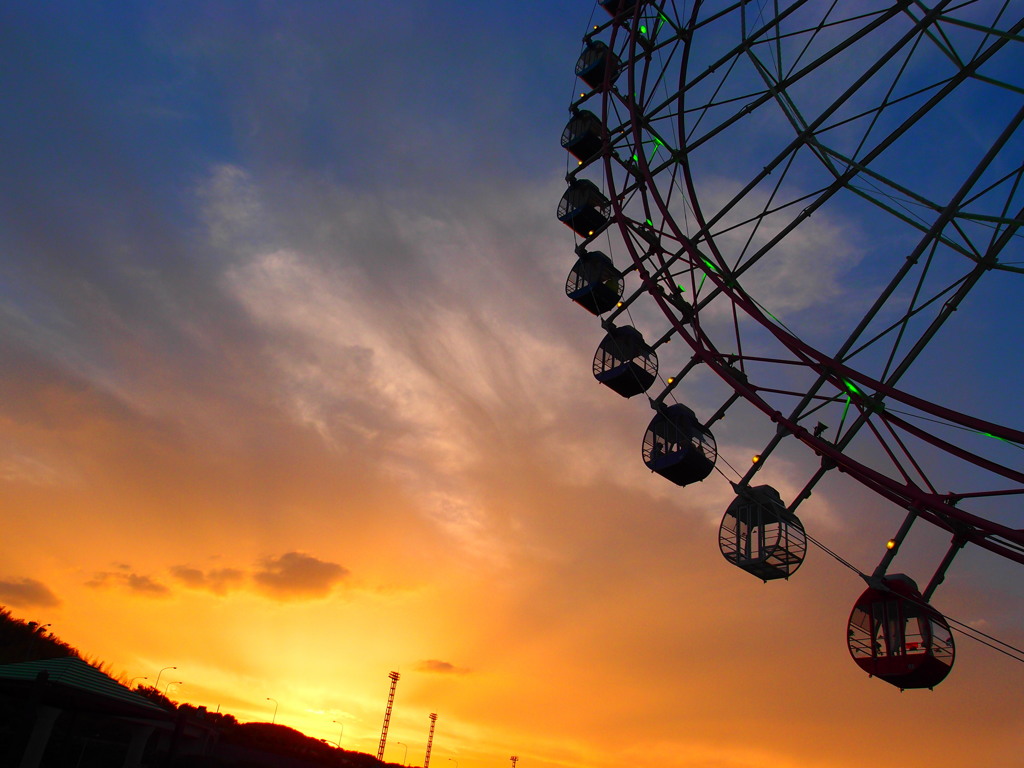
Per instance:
(295,574)
(138,583)
(442,667)
(27,593)
(218,580)
(133,582)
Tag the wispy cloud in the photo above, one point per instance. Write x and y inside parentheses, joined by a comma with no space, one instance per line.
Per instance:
(441,667)
(217,580)
(19,467)
(137,583)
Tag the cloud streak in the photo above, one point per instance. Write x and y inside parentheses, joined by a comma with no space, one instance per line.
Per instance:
(218,580)
(27,593)
(136,583)
(285,577)
(440,667)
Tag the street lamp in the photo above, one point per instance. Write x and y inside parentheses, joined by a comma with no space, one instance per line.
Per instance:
(167,688)
(338,722)
(454,761)
(157,683)
(134,679)
(405,755)
(274,719)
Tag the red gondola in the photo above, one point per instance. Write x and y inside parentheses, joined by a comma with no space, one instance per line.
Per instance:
(895,635)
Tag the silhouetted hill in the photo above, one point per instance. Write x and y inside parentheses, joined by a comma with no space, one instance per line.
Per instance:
(29,641)
(237,745)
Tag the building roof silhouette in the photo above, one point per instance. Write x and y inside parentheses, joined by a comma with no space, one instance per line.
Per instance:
(76,679)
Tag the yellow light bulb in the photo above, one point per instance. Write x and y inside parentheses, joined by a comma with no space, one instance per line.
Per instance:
(890,544)
(755,458)
(671,379)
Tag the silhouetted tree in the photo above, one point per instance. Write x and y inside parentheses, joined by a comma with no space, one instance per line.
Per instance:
(29,641)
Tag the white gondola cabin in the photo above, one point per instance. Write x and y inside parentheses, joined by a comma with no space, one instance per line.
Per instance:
(594,283)
(759,535)
(583,208)
(625,363)
(893,634)
(678,447)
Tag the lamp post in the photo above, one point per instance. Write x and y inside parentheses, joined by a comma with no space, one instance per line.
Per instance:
(134,679)
(274,718)
(157,683)
(405,755)
(338,722)
(454,761)
(167,688)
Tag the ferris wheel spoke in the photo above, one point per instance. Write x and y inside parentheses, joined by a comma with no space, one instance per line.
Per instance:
(958,291)
(938,34)
(889,445)
(899,326)
(846,177)
(955,450)
(795,78)
(843,352)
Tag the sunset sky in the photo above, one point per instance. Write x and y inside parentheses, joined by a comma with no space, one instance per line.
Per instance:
(291,396)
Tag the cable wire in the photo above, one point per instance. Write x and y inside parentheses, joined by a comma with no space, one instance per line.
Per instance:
(1007,649)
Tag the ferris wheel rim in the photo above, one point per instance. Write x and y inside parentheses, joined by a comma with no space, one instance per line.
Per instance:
(933,507)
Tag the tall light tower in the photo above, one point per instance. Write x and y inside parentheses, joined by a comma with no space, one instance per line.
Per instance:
(430,739)
(387,715)
(514,759)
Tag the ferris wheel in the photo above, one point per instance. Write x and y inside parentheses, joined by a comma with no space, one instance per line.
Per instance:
(820,204)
